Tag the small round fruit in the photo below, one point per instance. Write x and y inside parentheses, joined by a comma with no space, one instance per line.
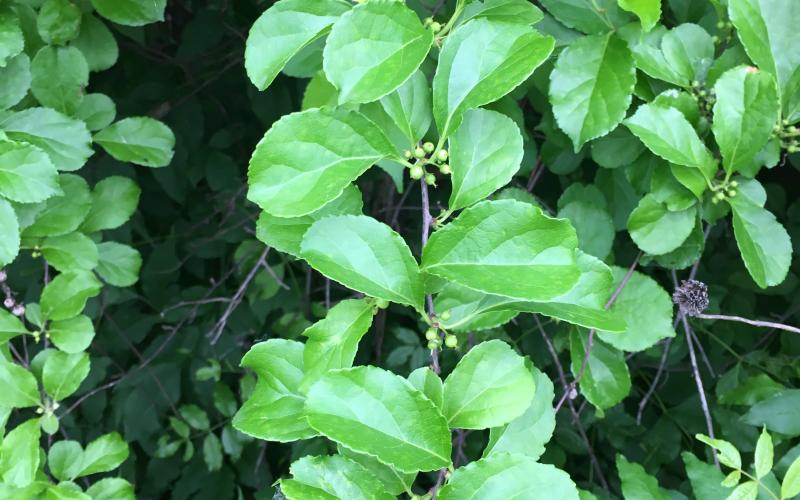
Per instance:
(451,341)
(430,179)
(445,315)
(436,27)
(445,169)
(419,152)
(382,303)
(408,154)
(442,155)
(432,334)
(428,147)
(734,184)
(416,172)
(433,345)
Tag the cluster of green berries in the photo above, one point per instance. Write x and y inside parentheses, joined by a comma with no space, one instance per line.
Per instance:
(435,339)
(724,191)
(706,98)
(426,155)
(726,27)
(433,25)
(789,136)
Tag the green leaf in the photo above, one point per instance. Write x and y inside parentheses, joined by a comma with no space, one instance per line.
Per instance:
(114,200)
(605,381)
(97,44)
(764,454)
(763,242)
(62,214)
(274,411)
(489,387)
(791,481)
(58,77)
(331,477)
(64,459)
(59,21)
(648,11)
(9,233)
(16,78)
(480,62)
(139,140)
(507,248)
(104,454)
(767,31)
(63,373)
(98,111)
(619,148)
(646,309)
(746,110)
(637,484)
(667,133)
(389,43)
(745,491)
(119,264)
(591,87)
(394,481)
(282,31)
(429,384)
(66,296)
(705,478)
(505,475)
(728,454)
(111,488)
(70,252)
(72,335)
(529,433)
(507,11)
(20,387)
(598,16)
(364,255)
(410,107)
(778,413)
(689,50)
(593,224)
(374,411)
(307,159)
(11,38)
(485,153)
(26,173)
(131,12)
(332,342)
(19,454)
(657,230)
(10,326)
(66,141)
(212,452)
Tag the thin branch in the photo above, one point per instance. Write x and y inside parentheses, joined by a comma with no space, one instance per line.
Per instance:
(753,322)
(427,221)
(699,382)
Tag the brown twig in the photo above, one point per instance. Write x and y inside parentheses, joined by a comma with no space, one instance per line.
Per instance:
(753,322)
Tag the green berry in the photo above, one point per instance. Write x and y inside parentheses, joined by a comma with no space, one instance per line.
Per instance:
(451,341)
(734,184)
(433,345)
(428,147)
(731,193)
(436,27)
(419,152)
(432,334)
(407,153)
(445,315)
(416,172)
(382,303)
(430,179)
(442,155)
(720,25)
(445,169)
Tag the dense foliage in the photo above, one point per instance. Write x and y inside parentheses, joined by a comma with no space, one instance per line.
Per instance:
(452,249)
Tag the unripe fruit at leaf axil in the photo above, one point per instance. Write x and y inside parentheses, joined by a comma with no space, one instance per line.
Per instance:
(445,169)
(442,155)
(416,172)
(445,315)
(432,334)
(382,303)
(408,154)
(430,179)
(428,147)
(451,341)
(433,345)
(419,152)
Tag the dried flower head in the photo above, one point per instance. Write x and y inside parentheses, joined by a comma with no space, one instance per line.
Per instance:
(691,297)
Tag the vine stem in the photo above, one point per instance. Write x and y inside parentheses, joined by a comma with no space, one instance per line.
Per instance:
(570,389)
(753,322)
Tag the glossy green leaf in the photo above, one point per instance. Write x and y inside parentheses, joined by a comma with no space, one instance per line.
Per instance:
(64,459)
(58,77)
(647,311)
(705,478)
(331,477)
(657,230)
(667,133)
(373,411)
(506,248)
(598,16)
(591,87)
(429,384)
(648,11)
(282,31)
(791,480)
(332,342)
(389,43)
(528,433)
(114,200)
(9,233)
(26,173)
(59,21)
(119,264)
(66,141)
(728,454)
(746,110)
(777,413)
(410,107)
(480,62)
(745,491)
(64,213)
(485,153)
(97,44)
(63,373)
(19,454)
(394,481)
(21,389)
(508,11)
(72,335)
(11,37)
(10,326)
(606,380)
(637,484)
(139,140)
(111,488)
(274,411)
(131,12)
(70,252)
(307,159)
(763,242)
(593,224)
(16,78)
(66,295)
(505,475)
(619,148)
(489,387)
(104,454)
(689,50)
(364,255)
(764,454)
(286,234)
(97,111)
